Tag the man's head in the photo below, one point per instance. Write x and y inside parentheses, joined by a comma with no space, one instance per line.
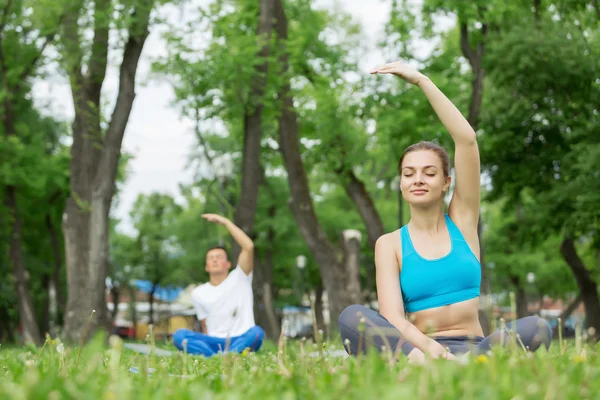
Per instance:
(217,261)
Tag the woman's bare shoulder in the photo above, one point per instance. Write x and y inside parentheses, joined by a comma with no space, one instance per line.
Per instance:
(389,239)
(389,243)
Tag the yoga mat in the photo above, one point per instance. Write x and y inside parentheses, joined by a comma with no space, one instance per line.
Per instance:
(136,370)
(335,353)
(146,349)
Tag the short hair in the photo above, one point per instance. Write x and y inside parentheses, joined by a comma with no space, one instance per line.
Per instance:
(436,148)
(217,247)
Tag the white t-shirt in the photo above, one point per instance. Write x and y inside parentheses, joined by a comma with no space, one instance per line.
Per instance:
(229,307)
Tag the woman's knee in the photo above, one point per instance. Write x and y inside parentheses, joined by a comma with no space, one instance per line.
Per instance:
(534,331)
(543,333)
(351,315)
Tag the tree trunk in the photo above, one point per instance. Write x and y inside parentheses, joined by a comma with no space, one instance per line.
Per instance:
(355,189)
(570,308)
(53,308)
(475,58)
(319,307)
(536,10)
(351,274)
(263,286)
(264,311)
(596,5)
(44,322)
(587,286)
(327,256)
(258,279)
(94,161)
(132,305)
(31,333)
(251,169)
(11,82)
(6,329)
(151,304)
(15,243)
(273,324)
(56,253)
(520,297)
(116,294)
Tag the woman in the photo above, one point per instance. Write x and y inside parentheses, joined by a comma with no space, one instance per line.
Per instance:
(430,268)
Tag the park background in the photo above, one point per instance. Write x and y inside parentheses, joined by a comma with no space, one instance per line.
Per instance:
(124,121)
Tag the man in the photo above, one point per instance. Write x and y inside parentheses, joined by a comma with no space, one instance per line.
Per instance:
(224,304)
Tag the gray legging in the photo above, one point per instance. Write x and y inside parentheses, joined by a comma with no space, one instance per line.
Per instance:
(379,332)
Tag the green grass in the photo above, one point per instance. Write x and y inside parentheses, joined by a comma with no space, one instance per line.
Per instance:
(565,372)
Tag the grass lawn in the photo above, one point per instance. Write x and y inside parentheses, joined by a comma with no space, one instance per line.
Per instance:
(570,371)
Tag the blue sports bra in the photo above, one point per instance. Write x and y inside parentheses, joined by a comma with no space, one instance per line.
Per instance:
(434,283)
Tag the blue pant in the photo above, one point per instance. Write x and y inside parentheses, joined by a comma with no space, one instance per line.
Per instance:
(199,343)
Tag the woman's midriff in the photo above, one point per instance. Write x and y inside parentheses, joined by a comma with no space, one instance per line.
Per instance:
(453,320)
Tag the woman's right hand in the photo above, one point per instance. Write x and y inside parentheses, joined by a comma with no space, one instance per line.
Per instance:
(417,357)
(438,351)
(402,70)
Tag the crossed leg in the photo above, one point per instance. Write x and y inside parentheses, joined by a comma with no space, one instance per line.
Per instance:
(378,332)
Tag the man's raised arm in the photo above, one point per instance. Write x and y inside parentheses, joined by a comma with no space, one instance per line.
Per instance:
(246,258)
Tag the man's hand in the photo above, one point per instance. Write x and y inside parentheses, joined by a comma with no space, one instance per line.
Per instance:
(246,257)
(215,218)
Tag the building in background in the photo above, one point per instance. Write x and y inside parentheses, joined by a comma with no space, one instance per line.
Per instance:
(172,309)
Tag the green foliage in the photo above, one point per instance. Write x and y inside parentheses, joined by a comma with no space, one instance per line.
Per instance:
(156,250)
(541,114)
(32,158)
(207,91)
(513,256)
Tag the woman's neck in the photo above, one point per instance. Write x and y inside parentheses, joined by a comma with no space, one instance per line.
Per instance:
(427,219)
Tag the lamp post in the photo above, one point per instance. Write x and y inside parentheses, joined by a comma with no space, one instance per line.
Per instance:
(531,281)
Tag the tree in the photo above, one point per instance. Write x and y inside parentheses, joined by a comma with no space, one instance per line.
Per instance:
(96,148)
(205,91)
(328,257)
(532,269)
(252,171)
(41,210)
(38,163)
(542,121)
(251,168)
(24,35)
(232,100)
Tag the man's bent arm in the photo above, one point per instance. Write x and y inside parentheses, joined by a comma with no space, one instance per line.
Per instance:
(246,257)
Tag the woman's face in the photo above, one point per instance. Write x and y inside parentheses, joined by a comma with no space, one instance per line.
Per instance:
(422,179)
